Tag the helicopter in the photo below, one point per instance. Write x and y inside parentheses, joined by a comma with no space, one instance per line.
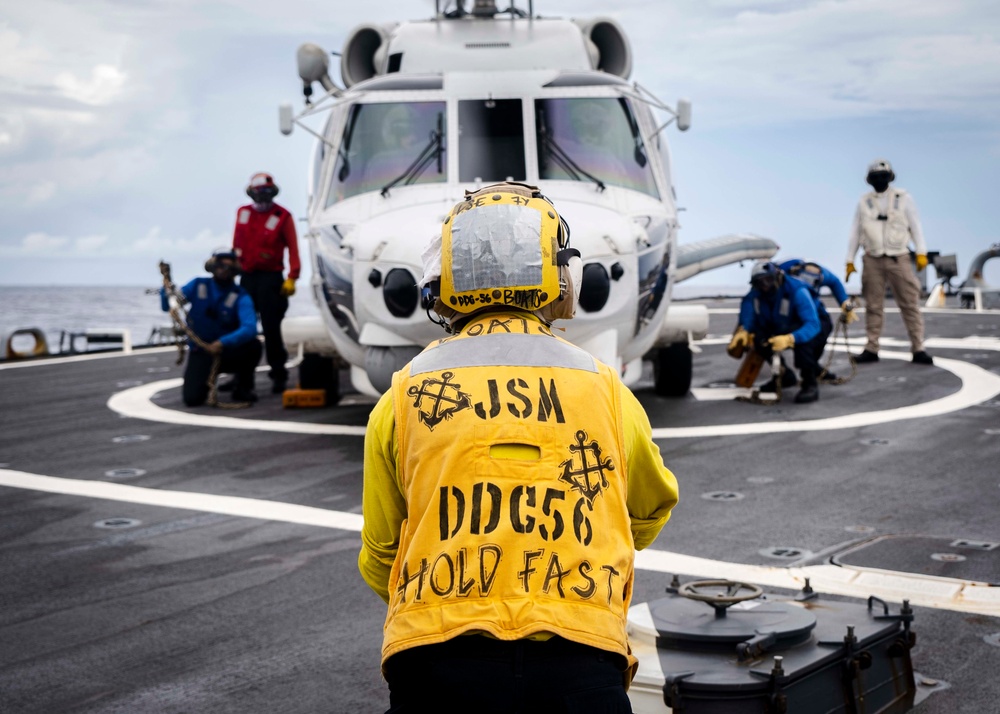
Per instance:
(431,108)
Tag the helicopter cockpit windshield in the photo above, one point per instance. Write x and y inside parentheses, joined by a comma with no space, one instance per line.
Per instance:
(388,143)
(594,139)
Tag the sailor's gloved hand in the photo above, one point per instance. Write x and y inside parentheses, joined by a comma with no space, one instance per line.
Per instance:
(847,314)
(781,342)
(288,287)
(215,348)
(741,340)
(921,261)
(850,271)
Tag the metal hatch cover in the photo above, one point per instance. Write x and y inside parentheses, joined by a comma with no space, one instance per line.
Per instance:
(953,558)
(678,621)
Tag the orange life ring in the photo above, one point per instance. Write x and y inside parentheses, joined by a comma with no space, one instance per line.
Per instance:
(41,345)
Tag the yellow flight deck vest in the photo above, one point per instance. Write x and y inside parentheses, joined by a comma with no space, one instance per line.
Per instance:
(510,540)
(890,234)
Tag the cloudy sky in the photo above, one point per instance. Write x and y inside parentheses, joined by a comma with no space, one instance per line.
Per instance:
(128,128)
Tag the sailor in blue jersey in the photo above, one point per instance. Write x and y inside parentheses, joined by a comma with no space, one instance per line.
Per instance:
(221,315)
(816,277)
(780,313)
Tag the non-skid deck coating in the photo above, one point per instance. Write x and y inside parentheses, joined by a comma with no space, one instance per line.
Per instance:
(197,611)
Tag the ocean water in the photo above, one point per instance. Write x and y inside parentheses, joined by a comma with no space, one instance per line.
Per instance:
(58,310)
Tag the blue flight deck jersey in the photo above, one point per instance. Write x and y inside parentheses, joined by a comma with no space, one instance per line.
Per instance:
(791,309)
(223,313)
(829,280)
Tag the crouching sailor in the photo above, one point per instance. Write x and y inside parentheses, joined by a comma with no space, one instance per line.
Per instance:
(222,317)
(779,313)
(815,277)
(508,479)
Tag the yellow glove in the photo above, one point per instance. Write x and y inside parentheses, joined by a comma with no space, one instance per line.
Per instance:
(921,261)
(781,342)
(288,287)
(847,313)
(850,271)
(740,341)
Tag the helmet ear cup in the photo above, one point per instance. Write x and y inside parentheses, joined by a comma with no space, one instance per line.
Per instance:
(210,264)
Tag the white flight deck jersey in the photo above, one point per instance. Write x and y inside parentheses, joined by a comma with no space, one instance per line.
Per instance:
(884,224)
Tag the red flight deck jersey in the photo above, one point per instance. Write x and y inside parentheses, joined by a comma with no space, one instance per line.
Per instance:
(260,239)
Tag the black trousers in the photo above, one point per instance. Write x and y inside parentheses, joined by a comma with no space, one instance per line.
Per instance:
(265,291)
(472,673)
(807,354)
(240,360)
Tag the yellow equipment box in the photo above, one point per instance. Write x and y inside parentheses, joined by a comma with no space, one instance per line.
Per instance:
(303,398)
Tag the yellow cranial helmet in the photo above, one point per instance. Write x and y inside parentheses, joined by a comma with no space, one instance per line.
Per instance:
(506,246)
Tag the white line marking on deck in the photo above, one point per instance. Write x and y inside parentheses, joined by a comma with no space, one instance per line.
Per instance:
(941,593)
(9,364)
(185,500)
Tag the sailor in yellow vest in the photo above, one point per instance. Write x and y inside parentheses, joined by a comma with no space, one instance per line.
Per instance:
(509,478)
(884,224)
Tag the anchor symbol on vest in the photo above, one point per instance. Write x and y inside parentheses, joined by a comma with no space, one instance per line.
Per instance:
(580,479)
(446,401)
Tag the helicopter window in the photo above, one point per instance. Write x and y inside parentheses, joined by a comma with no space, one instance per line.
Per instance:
(593,139)
(391,143)
(490,140)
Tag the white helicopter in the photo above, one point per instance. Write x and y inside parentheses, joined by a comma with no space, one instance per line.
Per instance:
(468,98)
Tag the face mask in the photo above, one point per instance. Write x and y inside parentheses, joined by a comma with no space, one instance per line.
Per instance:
(879,182)
(225,273)
(765,285)
(262,199)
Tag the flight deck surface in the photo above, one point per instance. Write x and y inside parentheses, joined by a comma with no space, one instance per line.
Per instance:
(123,592)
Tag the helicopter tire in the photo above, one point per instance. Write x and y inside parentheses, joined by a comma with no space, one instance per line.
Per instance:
(672,370)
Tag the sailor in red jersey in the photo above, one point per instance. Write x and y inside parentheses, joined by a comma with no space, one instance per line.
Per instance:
(263,231)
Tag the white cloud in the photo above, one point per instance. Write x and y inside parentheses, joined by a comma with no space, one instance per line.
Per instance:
(105,83)
(154,243)
(35,243)
(782,61)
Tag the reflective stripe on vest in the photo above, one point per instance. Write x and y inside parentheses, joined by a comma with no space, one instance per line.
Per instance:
(510,350)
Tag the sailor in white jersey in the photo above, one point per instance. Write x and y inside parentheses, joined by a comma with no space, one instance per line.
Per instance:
(885,223)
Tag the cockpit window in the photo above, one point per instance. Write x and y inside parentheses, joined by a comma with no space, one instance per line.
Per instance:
(397,143)
(592,139)
(490,140)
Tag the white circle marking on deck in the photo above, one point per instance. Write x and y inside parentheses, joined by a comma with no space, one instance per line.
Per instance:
(978,386)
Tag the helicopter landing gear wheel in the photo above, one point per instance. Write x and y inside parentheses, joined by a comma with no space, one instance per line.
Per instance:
(672,370)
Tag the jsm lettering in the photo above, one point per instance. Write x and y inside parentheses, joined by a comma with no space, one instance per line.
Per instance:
(547,406)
